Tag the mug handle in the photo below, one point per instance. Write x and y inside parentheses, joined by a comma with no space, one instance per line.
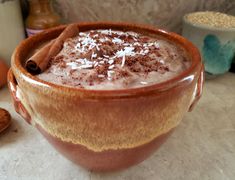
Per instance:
(19,107)
(199,87)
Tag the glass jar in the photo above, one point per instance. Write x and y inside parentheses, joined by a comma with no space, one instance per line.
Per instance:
(41,17)
(12,29)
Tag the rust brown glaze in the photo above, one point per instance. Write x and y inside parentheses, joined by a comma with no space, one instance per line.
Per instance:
(116,159)
(104,121)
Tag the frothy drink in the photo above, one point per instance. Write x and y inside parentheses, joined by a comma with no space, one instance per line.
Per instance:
(108,59)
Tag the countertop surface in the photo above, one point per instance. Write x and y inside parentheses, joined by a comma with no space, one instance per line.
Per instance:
(202,147)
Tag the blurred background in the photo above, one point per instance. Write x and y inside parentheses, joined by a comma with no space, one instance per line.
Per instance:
(162,13)
(21,18)
(166,14)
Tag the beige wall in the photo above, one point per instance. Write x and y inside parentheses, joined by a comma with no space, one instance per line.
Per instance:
(163,13)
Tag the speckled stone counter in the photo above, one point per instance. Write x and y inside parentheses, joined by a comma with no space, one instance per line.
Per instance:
(202,147)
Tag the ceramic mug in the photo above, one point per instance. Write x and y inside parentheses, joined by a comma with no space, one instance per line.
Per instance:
(217,46)
(105,130)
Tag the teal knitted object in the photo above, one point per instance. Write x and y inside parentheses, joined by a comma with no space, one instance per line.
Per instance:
(217,57)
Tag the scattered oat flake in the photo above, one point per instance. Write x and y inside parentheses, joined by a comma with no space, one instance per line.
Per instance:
(82,34)
(117,40)
(146,51)
(111,67)
(86,66)
(162,61)
(96,64)
(111,61)
(73,65)
(143,82)
(110,74)
(157,45)
(93,55)
(101,75)
(97,47)
(123,61)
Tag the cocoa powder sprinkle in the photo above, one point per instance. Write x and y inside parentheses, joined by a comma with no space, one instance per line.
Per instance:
(96,56)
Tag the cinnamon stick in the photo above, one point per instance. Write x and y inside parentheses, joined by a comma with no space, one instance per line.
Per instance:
(40,60)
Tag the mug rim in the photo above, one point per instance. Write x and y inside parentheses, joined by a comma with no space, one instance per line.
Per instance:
(196,62)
